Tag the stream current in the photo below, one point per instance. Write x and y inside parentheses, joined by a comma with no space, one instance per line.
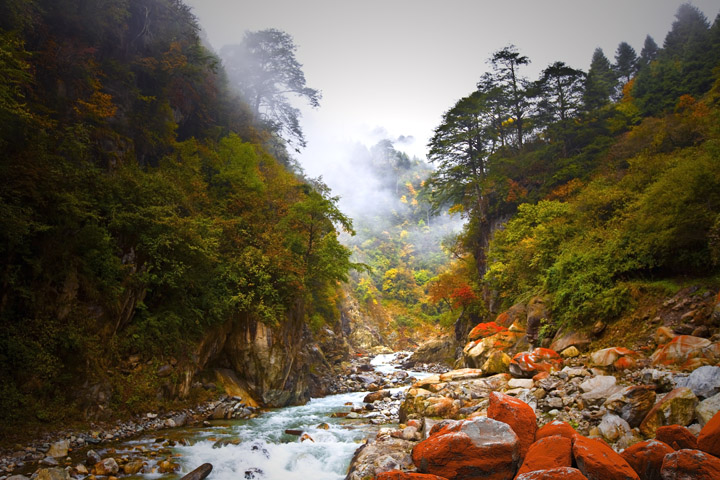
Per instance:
(259,449)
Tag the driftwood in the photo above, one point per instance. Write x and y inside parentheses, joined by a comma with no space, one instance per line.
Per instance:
(199,473)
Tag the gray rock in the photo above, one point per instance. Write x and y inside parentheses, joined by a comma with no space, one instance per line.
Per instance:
(92,457)
(59,449)
(49,461)
(612,427)
(632,403)
(707,409)
(703,381)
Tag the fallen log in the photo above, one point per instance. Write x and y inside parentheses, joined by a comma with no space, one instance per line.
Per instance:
(199,473)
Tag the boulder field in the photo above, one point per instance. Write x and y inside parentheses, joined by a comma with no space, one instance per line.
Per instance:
(511,410)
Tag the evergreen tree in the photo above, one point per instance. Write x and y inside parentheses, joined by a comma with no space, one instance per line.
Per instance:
(600,83)
(625,62)
(648,53)
(506,63)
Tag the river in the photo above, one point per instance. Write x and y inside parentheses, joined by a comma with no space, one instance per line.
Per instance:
(259,448)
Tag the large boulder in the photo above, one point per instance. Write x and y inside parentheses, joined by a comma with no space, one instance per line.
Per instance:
(597,461)
(612,427)
(618,357)
(675,408)
(516,413)
(529,364)
(382,454)
(481,448)
(515,315)
(686,351)
(59,449)
(703,381)
(436,350)
(548,452)
(497,362)
(487,329)
(690,465)
(632,403)
(709,437)
(646,458)
(476,353)
(556,427)
(677,436)
(537,313)
(707,409)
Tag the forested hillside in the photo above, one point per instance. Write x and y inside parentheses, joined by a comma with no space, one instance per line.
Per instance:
(588,189)
(139,209)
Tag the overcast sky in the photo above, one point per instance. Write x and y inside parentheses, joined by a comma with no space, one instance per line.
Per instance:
(388,68)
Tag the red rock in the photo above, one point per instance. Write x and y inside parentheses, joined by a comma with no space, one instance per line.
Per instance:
(481,448)
(709,437)
(540,376)
(690,465)
(547,453)
(527,364)
(562,473)
(597,461)
(680,350)
(556,427)
(677,436)
(516,413)
(624,363)
(487,329)
(646,458)
(609,356)
(400,475)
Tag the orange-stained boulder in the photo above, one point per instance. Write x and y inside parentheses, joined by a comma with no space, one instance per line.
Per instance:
(646,458)
(483,330)
(547,453)
(481,448)
(683,350)
(675,408)
(562,473)
(597,461)
(709,437)
(400,475)
(690,465)
(527,364)
(677,436)
(612,355)
(516,413)
(556,427)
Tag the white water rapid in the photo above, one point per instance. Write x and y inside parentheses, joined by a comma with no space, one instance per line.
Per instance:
(258,448)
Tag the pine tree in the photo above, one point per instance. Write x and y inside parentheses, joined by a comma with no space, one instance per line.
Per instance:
(625,62)
(600,83)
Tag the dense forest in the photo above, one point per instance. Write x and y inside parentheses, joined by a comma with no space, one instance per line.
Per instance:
(142,202)
(149,194)
(588,188)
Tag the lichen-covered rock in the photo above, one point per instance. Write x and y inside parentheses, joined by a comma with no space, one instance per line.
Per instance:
(597,461)
(487,329)
(709,437)
(476,353)
(59,449)
(556,427)
(516,413)
(675,408)
(528,364)
(497,362)
(686,351)
(707,409)
(106,466)
(55,473)
(481,448)
(548,452)
(690,464)
(632,403)
(677,436)
(646,458)
(613,356)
